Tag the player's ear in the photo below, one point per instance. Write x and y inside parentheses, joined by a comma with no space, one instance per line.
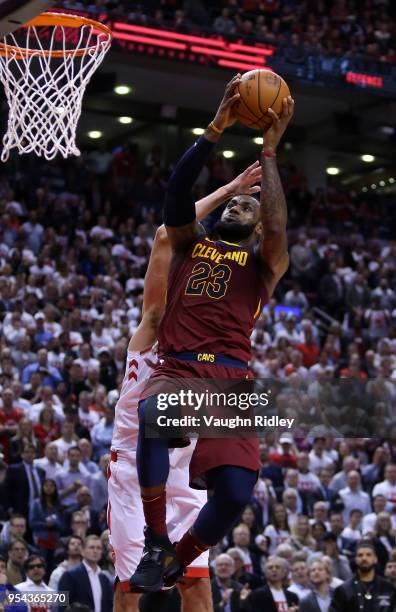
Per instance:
(258,229)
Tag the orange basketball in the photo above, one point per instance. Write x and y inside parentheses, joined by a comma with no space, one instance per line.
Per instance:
(260,90)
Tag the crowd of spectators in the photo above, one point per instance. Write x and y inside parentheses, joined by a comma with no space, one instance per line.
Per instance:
(296,28)
(75,237)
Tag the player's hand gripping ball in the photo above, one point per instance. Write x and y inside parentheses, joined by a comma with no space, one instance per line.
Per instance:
(259,90)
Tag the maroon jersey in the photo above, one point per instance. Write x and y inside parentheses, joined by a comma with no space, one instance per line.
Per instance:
(215,292)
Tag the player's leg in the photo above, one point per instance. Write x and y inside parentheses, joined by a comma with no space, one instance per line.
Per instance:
(183,507)
(126,523)
(196,594)
(124,601)
(152,460)
(232,490)
(153,470)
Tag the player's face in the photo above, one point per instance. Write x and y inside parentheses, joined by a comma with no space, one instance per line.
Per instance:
(242,209)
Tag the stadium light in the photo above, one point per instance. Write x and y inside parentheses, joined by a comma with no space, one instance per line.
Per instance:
(95,134)
(122,90)
(373,186)
(367,158)
(125,120)
(391,180)
(364,189)
(228,154)
(198,131)
(382,183)
(258,140)
(332,170)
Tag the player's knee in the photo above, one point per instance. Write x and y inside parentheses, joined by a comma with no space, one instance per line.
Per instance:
(236,498)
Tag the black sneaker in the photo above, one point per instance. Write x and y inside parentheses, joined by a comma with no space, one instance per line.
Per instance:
(172,576)
(158,560)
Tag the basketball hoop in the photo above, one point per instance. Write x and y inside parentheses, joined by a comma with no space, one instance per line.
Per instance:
(45,77)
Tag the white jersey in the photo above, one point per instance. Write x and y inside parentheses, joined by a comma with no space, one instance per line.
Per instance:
(126,422)
(125,516)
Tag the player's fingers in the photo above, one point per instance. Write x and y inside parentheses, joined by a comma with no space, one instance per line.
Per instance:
(234,81)
(285,107)
(254,189)
(273,114)
(255,176)
(233,99)
(252,167)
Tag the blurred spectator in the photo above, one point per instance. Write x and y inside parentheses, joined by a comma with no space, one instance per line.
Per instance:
(7,587)
(24,435)
(102,433)
(277,531)
(67,440)
(49,463)
(225,590)
(272,595)
(340,563)
(69,480)
(85,582)
(73,558)
(346,596)
(46,520)
(51,375)
(353,497)
(35,569)
(23,482)
(17,555)
(299,584)
(98,484)
(83,505)
(320,598)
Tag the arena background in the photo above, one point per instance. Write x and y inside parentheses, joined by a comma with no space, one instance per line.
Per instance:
(76,235)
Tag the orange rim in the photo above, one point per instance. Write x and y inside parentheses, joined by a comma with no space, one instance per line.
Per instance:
(56,19)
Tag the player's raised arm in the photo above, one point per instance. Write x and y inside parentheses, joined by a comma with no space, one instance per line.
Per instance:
(273,209)
(179,207)
(244,183)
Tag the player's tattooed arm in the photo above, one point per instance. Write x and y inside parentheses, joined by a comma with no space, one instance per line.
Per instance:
(273,208)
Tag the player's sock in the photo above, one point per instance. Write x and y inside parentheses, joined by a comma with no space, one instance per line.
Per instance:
(189,548)
(154,508)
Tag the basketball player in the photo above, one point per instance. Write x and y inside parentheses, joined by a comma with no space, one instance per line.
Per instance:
(125,512)
(216,289)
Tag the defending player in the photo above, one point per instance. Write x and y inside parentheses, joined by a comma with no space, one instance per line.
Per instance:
(125,512)
(215,290)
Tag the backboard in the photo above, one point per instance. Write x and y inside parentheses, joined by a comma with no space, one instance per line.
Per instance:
(13,13)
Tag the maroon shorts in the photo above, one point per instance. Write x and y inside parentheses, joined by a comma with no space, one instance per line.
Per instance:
(212,452)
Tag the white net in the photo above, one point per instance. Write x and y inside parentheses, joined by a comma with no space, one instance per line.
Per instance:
(45,81)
